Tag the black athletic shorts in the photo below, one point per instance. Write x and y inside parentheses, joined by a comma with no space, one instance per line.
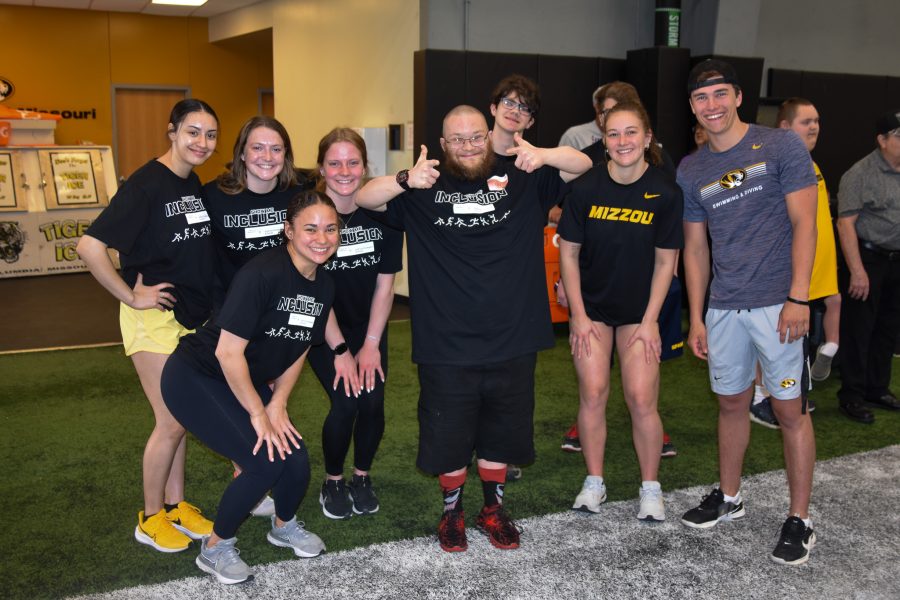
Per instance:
(486,408)
(670,323)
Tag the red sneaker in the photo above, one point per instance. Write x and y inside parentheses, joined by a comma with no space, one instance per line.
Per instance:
(571,443)
(501,530)
(452,531)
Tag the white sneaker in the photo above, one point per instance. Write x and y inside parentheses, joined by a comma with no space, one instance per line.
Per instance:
(591,496)
(652,508)
(265,508)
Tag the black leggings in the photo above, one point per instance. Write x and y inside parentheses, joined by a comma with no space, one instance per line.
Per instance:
(361,419)
(207,408)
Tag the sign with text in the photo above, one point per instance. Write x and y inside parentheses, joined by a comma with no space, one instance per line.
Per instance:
(12,195)
(74,179)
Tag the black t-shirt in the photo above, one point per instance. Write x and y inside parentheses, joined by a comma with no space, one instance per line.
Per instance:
(244,225)
(368,248)
(476,265)
(619,227)
(159,224)
(273,306)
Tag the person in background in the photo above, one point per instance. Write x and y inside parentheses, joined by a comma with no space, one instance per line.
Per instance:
(159,224)
(229,382)
(363,270)
(800,116)
(582,136)
(868,225)
(619,239)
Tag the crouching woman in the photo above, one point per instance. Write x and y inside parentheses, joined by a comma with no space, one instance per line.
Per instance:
(229,383)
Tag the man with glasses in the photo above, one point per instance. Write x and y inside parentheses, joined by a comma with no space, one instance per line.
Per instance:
(868,225)
(478,304)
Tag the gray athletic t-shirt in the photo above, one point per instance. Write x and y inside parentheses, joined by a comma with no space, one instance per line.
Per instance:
(740,193)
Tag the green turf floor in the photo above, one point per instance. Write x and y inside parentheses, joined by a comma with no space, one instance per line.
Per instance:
(73,425)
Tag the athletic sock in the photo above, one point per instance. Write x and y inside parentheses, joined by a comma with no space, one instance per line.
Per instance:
(169,507)
(828,349)
(492,483)
(650,485)
(759,394)
(736,499)
(452,487)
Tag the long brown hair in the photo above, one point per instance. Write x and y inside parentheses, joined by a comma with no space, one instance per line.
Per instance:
(234,180)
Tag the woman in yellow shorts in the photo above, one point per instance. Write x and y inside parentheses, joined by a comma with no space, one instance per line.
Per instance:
(158,223)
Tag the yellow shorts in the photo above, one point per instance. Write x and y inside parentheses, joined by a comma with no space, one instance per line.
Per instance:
(150,330)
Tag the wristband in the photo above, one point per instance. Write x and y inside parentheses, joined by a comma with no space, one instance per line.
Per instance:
(800,302)
(373,338)
(340,348)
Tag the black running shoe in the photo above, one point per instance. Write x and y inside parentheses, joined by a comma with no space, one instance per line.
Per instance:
(713,509)
(795,543)
(513,473)
(335,499)
(365,502)
(501,530)
(452,531)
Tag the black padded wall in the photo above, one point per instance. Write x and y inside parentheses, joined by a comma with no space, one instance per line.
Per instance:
(660,75)
(446,78)
(848,106)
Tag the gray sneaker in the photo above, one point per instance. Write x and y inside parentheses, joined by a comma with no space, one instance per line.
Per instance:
(821,367)
(223,561)
(292,535)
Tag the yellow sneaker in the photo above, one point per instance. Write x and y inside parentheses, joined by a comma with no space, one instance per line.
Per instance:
(187,519)
(159,533)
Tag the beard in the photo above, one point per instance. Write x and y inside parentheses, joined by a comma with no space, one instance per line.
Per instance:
(467,172)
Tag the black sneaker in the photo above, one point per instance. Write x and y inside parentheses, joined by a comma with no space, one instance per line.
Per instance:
(365,502)
(761,413)
(335,499)
(452,531)
(795,543)
(513,473)
(713,509)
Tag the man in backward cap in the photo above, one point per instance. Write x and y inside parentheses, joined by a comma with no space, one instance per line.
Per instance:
(869,274)
(754,188)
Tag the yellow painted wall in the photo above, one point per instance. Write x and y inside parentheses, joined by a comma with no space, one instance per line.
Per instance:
(70,59)
(342,62)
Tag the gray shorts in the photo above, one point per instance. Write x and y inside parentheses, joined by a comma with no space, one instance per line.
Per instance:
(737,339)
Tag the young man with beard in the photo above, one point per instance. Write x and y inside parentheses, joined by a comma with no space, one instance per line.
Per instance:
(478,304)
(754,189)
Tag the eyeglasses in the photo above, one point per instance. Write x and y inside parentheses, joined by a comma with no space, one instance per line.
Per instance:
(476,140)
(512,104)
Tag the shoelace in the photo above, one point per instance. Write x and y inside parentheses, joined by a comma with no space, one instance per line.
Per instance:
(451,527)
(711,500)
(228,554)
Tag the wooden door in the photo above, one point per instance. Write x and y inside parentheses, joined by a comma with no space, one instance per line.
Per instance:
(140,126)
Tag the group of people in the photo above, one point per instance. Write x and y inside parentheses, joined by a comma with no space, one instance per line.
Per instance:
(223,296)
(227,289)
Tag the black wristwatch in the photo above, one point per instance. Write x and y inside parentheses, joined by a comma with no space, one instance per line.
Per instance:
(340,349)
(403,179)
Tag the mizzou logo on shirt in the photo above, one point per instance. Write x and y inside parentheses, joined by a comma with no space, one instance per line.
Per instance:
(613,213)
(733,179)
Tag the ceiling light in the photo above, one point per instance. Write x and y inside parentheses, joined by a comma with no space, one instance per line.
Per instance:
(180,2)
